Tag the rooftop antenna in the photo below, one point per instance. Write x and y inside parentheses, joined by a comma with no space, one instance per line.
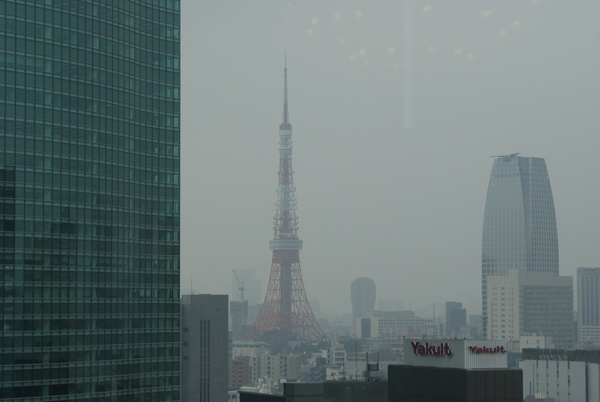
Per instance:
(285,121)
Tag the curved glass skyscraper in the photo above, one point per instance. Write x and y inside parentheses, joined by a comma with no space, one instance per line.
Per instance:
(519,228)
(89,196)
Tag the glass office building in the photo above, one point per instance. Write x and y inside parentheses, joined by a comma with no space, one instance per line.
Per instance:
(89,196)
(519,228)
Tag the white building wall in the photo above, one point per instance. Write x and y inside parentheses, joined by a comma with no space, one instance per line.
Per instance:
(561,379)
(503,306)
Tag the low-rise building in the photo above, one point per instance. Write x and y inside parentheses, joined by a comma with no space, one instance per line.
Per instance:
(561,375)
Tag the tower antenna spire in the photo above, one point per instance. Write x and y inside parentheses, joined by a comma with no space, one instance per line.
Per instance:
(285,123)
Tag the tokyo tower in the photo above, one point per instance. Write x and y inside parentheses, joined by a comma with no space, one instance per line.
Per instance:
(285,308)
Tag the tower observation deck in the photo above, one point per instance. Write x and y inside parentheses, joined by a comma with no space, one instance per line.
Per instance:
(285,308)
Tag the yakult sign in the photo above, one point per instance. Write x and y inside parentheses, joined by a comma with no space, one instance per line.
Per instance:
(427,349)
(456,353)
(485,349)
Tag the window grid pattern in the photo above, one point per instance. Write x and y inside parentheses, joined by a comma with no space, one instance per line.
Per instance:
(519,229)
(89,195)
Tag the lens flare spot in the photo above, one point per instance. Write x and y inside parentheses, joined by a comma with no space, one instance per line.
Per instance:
(362,52)
(359,14)
(391,50)
(486,13)
(309,31)
(342,41)
(314,21)
(427,8)
(337,17)
(502,33)
(430,48)
(353,57)
(458,51)
(470,56)
(516,23)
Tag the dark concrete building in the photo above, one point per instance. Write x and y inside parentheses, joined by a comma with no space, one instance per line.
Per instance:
(330,391)
(204,348)
(440,384)
(456,318)
(362,296)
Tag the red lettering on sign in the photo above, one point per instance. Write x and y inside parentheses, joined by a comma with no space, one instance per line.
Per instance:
(427,349)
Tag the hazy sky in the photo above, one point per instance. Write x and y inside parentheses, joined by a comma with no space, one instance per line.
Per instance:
(403,206)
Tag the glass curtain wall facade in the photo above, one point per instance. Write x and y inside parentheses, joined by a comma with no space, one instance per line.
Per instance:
(89,196)
(519,227)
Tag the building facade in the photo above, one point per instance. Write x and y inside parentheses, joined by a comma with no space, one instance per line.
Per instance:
(519,228)
(446,370)
(89,193)
(204,348)
(561,375)
(588,307)
(362,296)
(520,235)
(456,318)
(531,304)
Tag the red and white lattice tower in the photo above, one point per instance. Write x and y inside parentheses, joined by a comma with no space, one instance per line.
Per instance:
(286,307)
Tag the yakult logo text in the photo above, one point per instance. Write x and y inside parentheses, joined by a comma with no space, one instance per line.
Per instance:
(485,349)
(443,349)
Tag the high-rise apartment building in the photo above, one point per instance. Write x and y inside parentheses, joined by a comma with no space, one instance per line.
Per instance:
(89,195)
(362,296)
(519,233)
(588,306)
(204,348)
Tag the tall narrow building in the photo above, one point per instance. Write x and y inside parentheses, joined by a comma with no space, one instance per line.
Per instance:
(519,224)
(89,194)
(204,347)
(362,297)
(286,312)
(588,307)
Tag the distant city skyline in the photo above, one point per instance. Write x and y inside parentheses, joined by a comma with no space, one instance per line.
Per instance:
(403,206)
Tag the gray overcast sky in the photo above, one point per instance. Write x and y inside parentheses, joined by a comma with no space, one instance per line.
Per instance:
(401,206)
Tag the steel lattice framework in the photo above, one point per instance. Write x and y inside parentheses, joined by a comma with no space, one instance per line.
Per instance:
(286,306)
